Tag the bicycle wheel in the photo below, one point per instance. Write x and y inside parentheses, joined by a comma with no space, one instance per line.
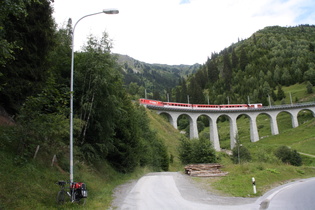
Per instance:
(61,197)
(81,201)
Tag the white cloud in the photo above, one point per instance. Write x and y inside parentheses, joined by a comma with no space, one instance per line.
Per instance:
(179,31)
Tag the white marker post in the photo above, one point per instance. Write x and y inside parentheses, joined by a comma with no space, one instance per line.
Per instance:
(254,185)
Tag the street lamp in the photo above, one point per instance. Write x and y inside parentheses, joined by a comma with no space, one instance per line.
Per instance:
(106,11)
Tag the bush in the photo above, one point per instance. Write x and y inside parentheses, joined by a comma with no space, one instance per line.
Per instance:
(266,156)
(241,154)
(203,152)
(196,151)
(309,87)
(185,150)
(286,155)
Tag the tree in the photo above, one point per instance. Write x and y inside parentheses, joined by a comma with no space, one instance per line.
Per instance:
(309,75)
(43,121)
(185,150)
(243,59)
(60,56)
(10,8)
(183,92)
(286,77)
(280,93)
(311,47)
(234,59)
(266,88)
(196,151)
(213,72)
(112,127)
(195,92)
(227,70)
(31,36)
(240,153)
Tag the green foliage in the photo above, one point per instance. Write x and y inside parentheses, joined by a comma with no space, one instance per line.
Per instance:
(265,155)
(280,93)
(272,58)
(43,122)
(309,87)
(156,79)
(183,122)
(241,154)
(286,155)
(196,151)
(272,170)
(28,35)
(16,8)
(185,150)
(113,128)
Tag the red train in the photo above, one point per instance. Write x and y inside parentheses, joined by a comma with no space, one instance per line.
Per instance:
(144,101)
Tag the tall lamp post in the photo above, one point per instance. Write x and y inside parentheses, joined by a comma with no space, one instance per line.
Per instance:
(106,11)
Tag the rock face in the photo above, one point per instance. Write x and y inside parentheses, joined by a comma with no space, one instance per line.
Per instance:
(204,170)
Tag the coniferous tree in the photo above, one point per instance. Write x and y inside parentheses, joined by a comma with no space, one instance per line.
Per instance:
(201,77)
(311,47)
(234,59)
(184,92)
(195,92)
(280,93)
(213,71)
(243,59)
(227,70)
(177,94)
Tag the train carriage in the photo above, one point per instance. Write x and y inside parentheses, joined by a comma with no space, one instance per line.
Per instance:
(199,106)
(144,101)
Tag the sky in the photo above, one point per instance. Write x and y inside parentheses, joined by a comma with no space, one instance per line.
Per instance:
(178,32)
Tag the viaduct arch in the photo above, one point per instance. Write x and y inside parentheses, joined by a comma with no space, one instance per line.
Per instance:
(213,115)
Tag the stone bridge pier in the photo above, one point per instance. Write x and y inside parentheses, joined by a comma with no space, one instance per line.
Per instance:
(232,115)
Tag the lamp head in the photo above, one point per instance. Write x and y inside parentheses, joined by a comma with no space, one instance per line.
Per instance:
(111,11)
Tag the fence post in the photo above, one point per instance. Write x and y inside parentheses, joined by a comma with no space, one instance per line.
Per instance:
(37,148)
(53,160)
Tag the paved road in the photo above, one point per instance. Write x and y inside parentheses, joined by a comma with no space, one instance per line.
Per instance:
(172,191)
(299,195)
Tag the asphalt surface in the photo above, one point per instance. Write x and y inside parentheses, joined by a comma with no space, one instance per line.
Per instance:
(171,190)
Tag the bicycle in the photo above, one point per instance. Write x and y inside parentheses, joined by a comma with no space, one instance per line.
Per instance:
(77,192)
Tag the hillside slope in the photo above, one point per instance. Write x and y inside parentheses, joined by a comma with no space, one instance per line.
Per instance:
(169,135)
(30,184)
(252,69)
(157,79)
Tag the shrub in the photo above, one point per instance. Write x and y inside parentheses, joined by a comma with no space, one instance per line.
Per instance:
(185,150)
(241,154)
(286,155)
(196,151)
(309,87)
(203,152)
(296,159)
(263,155)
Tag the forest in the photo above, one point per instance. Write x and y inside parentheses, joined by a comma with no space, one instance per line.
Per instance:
(34,93)
(253,69)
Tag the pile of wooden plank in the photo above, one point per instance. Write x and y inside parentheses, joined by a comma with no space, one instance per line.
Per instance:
(205,170)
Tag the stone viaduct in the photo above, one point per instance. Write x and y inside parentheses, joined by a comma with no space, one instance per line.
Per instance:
(213,115)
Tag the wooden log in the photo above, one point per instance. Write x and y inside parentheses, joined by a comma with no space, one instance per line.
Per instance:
(204,170)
